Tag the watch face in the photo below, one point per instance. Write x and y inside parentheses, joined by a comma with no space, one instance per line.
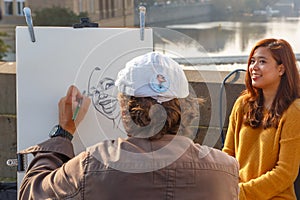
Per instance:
(54,131)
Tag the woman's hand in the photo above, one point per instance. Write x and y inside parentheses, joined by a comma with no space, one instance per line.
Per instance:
(67,106)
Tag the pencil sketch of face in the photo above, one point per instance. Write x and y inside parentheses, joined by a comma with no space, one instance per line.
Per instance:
(103,99)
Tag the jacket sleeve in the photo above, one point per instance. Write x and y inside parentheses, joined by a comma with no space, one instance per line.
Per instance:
(51,174)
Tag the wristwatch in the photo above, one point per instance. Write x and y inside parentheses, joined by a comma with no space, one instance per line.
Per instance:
(57,130)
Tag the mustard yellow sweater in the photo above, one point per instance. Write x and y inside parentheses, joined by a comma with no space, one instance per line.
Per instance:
(269,158)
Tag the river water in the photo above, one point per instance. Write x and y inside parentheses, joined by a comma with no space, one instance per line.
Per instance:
(214,39)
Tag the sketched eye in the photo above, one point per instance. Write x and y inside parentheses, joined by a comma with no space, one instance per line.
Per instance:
(103,96)
(106,83)
(108,86)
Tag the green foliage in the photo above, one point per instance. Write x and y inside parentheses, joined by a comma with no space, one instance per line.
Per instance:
(56,16)
(3,47)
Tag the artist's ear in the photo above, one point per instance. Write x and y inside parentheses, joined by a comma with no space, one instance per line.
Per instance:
(281,69)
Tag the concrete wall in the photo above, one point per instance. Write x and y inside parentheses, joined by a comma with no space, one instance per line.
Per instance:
(207,85)
(8,146)
(8,120)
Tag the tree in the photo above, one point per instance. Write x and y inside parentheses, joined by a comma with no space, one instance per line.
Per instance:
(56,16)
(3,47)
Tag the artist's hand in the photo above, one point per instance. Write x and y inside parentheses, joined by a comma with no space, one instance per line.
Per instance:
(67,106)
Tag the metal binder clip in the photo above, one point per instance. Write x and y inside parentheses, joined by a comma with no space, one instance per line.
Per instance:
(142,21)
(27,13)
(21,162)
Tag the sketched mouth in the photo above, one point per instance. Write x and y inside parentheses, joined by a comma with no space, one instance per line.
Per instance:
(108,105)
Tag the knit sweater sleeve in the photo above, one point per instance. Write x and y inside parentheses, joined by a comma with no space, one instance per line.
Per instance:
(231,137)
(284,173)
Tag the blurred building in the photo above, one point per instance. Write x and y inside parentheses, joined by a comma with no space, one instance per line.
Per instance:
(287,8)
(109,12)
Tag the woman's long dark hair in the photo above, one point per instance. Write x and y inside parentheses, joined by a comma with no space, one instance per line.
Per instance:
(288,90)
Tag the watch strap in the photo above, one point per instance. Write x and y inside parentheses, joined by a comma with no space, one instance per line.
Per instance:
(61,132)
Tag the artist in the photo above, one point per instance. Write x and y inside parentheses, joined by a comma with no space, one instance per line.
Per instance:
(158,159)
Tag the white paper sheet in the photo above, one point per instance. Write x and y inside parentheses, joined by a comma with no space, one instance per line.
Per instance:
(89,58)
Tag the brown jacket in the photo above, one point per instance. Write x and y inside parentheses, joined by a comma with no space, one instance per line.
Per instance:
(170,168)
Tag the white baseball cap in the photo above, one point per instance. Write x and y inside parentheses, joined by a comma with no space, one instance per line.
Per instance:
(153,75)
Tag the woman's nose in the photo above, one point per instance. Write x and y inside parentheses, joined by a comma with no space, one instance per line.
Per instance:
(254,66)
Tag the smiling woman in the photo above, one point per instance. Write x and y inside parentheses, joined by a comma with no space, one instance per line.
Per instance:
(280,85)
(266,73)
(261,132)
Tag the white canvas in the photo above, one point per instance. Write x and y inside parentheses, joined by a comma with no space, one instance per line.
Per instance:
(89,58)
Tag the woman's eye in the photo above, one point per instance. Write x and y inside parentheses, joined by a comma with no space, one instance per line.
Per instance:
(262,61)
